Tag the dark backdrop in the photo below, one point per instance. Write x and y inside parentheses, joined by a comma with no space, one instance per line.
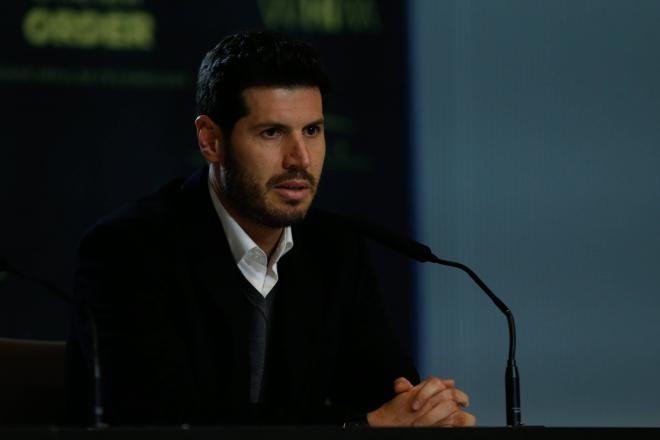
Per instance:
(97,105)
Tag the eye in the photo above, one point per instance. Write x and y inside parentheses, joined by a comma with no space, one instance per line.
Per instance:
(271,133)
(312,130)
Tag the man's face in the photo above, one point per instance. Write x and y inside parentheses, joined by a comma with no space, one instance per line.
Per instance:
(272,165)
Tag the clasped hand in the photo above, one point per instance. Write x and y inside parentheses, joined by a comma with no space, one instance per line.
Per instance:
(433,402)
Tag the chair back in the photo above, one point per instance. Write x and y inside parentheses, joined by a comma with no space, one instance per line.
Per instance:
(32,382)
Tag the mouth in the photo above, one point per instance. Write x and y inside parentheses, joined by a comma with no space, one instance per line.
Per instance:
(293,190)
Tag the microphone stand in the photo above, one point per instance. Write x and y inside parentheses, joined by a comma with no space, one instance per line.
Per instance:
(423,254)
(98,405)
(512,382)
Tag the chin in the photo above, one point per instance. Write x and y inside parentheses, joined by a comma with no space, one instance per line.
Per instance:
(282,213)
(296,215)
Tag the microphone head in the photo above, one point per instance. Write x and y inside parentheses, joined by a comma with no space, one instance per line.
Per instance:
(395,241)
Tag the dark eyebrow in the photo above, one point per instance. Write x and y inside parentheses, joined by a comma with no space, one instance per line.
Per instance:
(268,125)
(317,122)
(278,125)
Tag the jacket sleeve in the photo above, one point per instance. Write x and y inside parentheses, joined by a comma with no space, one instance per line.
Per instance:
(371,357)
(116,279)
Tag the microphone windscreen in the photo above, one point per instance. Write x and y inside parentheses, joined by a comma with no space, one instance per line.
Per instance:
(389,238)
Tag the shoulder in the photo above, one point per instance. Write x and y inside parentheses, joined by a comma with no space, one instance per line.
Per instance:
(141,213)
(147,219)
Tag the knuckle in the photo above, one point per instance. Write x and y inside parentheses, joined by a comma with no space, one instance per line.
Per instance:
(436,382)
(437,399)
(451,406)
(445,394)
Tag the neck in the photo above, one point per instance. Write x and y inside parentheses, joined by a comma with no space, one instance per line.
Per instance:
(265,237)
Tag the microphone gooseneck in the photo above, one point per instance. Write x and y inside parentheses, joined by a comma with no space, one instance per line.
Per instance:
(423,254)
(512,381)
(61,294)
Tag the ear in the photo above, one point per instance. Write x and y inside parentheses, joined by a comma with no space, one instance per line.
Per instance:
(209,139)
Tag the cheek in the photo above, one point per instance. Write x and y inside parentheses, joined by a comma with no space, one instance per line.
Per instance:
(318,160)
(264,167)
(254,163)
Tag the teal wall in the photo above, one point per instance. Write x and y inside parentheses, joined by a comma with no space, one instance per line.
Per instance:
(536,132)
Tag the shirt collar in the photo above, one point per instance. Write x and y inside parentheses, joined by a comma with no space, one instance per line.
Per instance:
(239,241)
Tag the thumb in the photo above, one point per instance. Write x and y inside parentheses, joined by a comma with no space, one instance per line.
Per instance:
(402,385)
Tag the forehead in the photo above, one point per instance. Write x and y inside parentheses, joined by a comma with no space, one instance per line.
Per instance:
(283,102)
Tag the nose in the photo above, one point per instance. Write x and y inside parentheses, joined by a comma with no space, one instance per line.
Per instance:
(296,154)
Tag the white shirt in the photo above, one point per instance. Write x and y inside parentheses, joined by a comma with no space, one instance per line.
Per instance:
(251,260)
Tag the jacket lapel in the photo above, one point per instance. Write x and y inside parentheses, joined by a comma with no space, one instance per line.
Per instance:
(206,246)
(296,331)
(215,281)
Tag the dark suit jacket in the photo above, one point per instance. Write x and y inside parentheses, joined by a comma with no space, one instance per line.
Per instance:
(173,330)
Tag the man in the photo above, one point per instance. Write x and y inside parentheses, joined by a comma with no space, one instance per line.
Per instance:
(223,298)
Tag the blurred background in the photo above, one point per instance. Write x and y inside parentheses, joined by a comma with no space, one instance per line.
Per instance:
(520,137)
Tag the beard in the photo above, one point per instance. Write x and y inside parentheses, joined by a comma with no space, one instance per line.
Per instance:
(249,198)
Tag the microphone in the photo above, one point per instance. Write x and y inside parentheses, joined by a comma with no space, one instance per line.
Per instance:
(423,254)
(98,405)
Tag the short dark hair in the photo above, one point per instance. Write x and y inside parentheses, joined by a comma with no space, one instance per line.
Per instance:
(252,59)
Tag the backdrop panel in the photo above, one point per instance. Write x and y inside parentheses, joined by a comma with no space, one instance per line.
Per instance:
(98,107)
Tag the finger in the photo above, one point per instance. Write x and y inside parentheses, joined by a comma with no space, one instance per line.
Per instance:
(454,394)
(449,383)
(437,414)
(402,385)
(459,419)
(426,389)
